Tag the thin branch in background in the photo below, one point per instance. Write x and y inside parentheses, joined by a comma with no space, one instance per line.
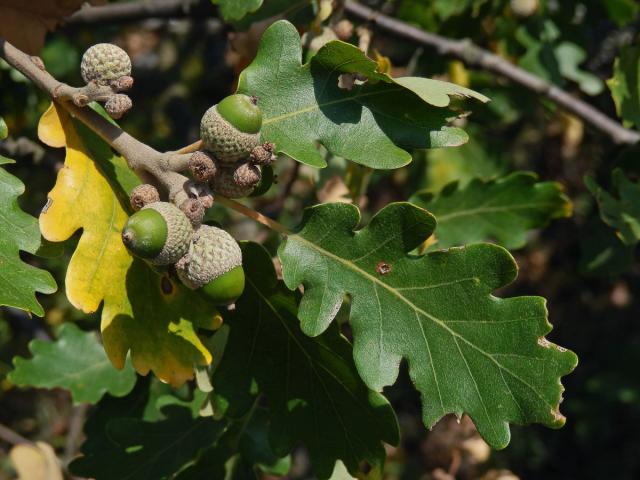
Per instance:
(78,416)
(477,57)
(135,11)
(464,50)
(12,437)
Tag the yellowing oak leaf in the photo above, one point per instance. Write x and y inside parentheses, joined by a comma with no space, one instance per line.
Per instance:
(25,24)
(144,313)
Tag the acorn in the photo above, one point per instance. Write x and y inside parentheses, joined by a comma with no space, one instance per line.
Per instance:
(231,129)
(214,265)
(118,105)
(159,233)
(143,195)
(105,63)
(263,154)
(237,181)
(202,166)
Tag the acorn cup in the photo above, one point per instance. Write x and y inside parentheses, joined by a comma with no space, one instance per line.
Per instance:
(214,265)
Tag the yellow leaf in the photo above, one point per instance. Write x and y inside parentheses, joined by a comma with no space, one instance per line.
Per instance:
(82,198)
(384,63)
(50,130)
(459,73)
(147,314)
(35,462)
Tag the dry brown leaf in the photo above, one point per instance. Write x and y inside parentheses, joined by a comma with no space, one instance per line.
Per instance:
(334,190)
(35,462)
(25,24)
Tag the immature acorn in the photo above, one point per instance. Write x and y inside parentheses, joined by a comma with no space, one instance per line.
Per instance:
(143,195)
(237,181)
(263,154)
(231,129)
(214,264)
(160,233)
(105,63)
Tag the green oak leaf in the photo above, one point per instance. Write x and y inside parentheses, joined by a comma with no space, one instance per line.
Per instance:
(134,449)
(467,350)
(237,9)
(570,56)
(503,210)
(602,253)
(246,442)
(303,106)
(110,408)
(76,362)
(622,210)
(19,281)
(625,85)
(621,11)
(312,387)
(462,164)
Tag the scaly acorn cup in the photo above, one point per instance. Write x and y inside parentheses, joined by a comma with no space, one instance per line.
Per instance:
(231,129)
(105,63)
(236,182)
(160,233)
(213,264)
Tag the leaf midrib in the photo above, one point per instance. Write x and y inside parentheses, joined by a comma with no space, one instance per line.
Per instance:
(317,106)
(417,309)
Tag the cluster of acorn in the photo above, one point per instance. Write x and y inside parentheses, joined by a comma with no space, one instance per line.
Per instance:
(233,164)
(233,161)
(106,70)
(205,257)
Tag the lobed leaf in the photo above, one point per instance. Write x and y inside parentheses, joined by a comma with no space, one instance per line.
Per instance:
(468,351)
(19,281)
(312,387)
(503,210)
(76,362)
(134,449)
(145,313)
(370,124)
(622,210)
(247,442)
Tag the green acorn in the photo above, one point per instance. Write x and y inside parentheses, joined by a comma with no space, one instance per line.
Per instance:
(231,129)
(214,264)
(105,63)
(160,233)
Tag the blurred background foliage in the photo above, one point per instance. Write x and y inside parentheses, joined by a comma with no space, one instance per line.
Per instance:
(589,276)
